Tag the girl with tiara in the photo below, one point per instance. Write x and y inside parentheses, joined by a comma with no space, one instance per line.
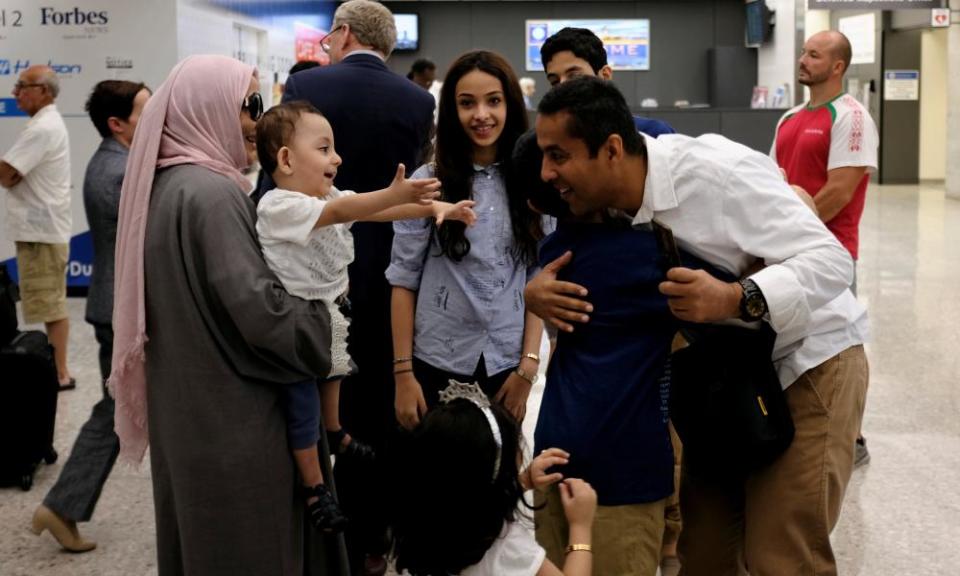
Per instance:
(459,489)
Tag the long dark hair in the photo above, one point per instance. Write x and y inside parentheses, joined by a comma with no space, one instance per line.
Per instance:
(447,510)
(454,156)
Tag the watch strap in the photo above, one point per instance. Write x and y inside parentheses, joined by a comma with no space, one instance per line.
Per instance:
(753,305)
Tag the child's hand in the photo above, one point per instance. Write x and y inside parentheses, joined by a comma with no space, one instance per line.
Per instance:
(420,191)
(579,502)
(462,211)
(548,458)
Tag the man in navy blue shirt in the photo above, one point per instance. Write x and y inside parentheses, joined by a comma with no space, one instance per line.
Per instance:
(574,52)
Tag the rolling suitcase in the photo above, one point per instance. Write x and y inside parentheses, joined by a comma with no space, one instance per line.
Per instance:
(28,407)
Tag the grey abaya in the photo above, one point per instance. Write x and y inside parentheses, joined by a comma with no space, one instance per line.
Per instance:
(223,337)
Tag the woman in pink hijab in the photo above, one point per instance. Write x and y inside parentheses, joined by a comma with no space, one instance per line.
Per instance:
(205,333)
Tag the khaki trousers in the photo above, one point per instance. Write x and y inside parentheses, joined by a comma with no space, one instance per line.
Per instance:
(626,539)
(672,517)
(778,520)
(43,284)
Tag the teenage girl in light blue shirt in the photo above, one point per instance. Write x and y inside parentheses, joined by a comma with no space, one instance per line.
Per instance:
(457,305)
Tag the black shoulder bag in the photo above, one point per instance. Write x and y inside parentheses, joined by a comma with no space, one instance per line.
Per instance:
(726,401)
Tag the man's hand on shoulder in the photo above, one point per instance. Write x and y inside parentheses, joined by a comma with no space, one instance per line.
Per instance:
(556,302)
(9,176)
(696,296)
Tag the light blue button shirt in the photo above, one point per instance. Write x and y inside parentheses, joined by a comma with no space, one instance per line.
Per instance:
(471,307)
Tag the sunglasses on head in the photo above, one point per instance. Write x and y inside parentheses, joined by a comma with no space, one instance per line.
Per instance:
(253,104)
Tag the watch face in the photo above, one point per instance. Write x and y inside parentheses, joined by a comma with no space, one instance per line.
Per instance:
(755,307)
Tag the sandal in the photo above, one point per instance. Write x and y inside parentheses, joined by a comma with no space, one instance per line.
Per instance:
(355,450)
(325,514)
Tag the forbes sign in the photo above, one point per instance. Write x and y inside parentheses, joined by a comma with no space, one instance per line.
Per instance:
(50,16)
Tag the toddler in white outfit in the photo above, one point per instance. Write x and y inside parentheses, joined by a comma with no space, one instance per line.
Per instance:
(304,230)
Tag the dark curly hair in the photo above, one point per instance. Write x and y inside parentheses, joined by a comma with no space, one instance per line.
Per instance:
(447,510)
(454,156)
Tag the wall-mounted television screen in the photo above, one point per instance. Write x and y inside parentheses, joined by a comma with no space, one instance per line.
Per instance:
(408,32)
(759,26)
(627,42)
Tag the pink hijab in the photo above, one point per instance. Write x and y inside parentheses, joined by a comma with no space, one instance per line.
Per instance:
(194,118)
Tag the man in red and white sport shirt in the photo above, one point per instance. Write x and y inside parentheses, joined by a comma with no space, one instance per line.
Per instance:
(827,147)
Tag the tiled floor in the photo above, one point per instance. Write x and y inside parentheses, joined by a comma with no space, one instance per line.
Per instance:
(902,511)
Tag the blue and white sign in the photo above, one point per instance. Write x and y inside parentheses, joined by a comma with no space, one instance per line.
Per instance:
(8,107)
(901,85)
(84,41)
(627,42)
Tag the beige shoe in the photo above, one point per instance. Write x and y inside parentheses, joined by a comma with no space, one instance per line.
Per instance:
(65,531)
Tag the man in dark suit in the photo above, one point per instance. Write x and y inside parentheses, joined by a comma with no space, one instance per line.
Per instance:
(379,119)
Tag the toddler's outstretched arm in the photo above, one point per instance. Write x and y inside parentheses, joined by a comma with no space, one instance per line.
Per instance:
(363,207)
(402,200)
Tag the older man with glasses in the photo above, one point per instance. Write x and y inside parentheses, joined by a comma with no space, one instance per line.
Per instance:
(36,173)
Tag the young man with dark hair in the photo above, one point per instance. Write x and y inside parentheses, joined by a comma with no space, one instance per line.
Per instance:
(114,107)
(729,206)
(575,52)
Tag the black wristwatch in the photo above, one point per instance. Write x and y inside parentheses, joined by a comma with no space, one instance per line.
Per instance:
(753,306)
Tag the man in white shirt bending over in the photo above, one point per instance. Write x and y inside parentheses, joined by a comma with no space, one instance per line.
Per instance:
(36,173)
(728,205)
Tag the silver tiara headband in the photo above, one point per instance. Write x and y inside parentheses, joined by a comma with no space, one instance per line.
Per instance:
(475,395)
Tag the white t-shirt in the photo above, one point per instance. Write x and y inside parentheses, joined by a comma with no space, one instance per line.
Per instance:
(311,263)
(515,553)
(38,207)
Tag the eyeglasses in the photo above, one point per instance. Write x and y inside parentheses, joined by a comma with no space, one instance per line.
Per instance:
(21,85)
(323,41)
(254,105)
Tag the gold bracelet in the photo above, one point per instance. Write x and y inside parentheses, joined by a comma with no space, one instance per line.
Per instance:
(532,356)
(579,548)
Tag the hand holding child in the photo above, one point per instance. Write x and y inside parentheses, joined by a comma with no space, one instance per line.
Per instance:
(408,191)
(461,211)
